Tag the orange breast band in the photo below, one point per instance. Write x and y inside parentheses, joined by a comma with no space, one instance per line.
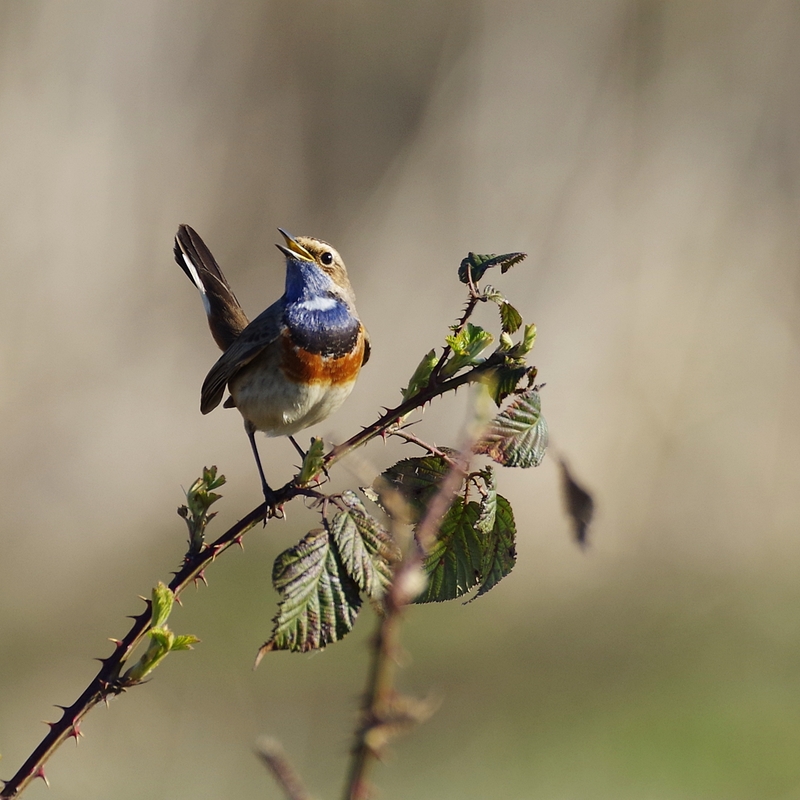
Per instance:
(300,366)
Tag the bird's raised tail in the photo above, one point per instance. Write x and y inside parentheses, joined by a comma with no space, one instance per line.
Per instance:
(225,316)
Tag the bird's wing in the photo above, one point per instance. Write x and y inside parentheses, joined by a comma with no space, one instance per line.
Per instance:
(251,342)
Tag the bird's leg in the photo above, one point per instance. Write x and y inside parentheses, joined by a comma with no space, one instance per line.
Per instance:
(269,495)
(297,447)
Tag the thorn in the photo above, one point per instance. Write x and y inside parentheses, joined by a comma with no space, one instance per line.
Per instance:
(238,540)
(51,724)
(75,733)
(117,642)
(40,774)
(201,576)
(178,600)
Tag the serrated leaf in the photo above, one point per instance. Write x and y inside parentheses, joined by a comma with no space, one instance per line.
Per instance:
(312,463)
(454,563)
(162,599)
(366,547)
(517,437)
(162,637)
(320,601)
(489,293)
(184,642)
(478,264)
(211,479)
(467,345)
(502,381)
(521,349)
(510,318)
(421,376)
(469,341)
(416,480)
(199,498)
(499,547)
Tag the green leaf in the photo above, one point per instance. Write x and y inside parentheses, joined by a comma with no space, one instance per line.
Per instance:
(320,600)
(422,374)
(454,564)
(510,318)
(162,599)
(524,347)
(489,293)
(467,345)
(312,463)
(162,637)
(184,642)
(499,547)
(501,382)
(478,264)
(199,499)
(517,437)
(211,479)
(366,547)
(416,480)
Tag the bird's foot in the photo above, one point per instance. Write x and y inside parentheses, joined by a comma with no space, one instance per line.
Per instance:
(274,508)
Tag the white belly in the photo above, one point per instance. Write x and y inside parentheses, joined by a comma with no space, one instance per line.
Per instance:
(280,407)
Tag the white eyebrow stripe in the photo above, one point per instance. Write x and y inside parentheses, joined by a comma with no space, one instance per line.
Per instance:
(197,282)
(321,303)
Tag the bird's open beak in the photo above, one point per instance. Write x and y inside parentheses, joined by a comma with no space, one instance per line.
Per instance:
(293,248)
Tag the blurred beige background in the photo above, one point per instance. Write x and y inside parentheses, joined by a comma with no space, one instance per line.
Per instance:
(645,154)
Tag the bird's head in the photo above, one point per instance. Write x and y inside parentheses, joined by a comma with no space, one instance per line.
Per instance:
(314,268)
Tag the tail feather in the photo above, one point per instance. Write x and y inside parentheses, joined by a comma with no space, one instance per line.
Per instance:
(225,316)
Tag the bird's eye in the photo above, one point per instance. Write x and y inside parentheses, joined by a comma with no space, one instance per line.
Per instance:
(326,258)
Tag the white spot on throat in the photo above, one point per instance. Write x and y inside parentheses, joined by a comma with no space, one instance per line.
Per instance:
(319,303)
(197,282)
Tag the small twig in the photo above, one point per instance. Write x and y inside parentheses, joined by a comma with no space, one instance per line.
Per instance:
(401,433)
(277,762)
(380,695)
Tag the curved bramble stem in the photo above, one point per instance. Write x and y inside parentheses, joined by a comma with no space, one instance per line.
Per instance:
(107,682)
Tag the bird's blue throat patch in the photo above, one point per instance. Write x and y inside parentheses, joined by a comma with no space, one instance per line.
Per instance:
(317,318)
(322,325)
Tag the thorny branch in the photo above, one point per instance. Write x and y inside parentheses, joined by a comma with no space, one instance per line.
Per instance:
(111,681)
(108,682)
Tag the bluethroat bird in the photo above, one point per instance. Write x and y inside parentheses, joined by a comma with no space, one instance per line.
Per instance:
(296,362)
